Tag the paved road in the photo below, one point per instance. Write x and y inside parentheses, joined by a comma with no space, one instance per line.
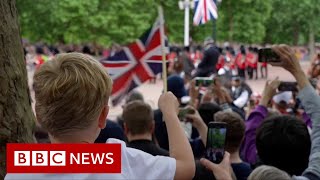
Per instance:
(152,92)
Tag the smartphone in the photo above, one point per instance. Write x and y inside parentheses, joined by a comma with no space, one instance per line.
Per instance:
(288,86)
(268,55)
(216,139)
(204,81)
(184,111)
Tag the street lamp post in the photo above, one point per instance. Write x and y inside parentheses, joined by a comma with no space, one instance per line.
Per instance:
(186,5)
(214,32)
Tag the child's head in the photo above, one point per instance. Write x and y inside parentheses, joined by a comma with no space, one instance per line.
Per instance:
(72,93)
(138,118)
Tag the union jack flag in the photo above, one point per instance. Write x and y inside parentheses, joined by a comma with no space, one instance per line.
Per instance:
(205,10)
(135,63)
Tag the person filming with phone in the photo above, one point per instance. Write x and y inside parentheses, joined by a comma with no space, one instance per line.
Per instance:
(272,138)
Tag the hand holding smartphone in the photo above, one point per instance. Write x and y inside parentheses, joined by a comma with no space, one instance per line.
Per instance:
(288,86)
(268,55)
(216,139)
(203,81)
(183,112)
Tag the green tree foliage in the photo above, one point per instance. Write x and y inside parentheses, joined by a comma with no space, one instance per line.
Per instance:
(243,20)
(121,21)
(291,21)
(78,21)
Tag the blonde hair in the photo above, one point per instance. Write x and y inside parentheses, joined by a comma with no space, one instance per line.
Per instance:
(70,91)
(268,173)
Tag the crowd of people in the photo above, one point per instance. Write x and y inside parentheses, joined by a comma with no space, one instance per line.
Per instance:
(275,136)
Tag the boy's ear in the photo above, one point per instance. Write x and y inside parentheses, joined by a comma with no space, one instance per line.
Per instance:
(126,130)
(103,117)
(152,127)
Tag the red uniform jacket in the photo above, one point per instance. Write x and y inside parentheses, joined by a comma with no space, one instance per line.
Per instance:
(251,60)
(241,61)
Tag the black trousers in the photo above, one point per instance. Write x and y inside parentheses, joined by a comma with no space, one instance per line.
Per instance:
(250,72)
(241,73)
(255,71)
(264,72)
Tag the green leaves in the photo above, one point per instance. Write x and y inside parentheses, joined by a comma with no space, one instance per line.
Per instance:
(81,21)
(292,20)
(122,21)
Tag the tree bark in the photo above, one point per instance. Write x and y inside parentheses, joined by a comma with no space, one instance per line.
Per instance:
(230,15)
(16,116)
(311,44)
(296,34)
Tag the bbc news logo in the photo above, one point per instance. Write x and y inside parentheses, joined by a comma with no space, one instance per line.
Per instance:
(63,158)
(39,158)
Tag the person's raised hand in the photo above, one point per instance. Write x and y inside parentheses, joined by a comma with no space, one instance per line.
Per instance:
(195,118)
(168,103)
(207,97)
(220,171)
(194,93)
(290,62)
(269,91)
(288,59)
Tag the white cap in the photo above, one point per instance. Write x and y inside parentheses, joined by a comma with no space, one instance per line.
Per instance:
(285,96)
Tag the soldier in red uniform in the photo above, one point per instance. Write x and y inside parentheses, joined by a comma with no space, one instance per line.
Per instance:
(255,62)
(241,62)
(251,62)
(264,69)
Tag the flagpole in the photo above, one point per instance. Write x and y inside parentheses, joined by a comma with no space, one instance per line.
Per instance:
(186,22)
(164,64)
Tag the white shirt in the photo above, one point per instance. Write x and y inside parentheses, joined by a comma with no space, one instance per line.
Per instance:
(241,101)
(223,70)
(136,164)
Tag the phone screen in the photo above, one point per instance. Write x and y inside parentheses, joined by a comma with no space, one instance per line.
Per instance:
(216,142)
(268,55)
(288,86)
(183,112)
(203,81)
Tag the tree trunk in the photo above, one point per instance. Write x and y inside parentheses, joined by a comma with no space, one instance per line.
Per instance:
(311,44)
(230,34)
(16,116)
(296,35)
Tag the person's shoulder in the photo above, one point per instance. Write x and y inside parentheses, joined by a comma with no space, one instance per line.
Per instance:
(157,116)
(243,166)
(112,130)
(137,164)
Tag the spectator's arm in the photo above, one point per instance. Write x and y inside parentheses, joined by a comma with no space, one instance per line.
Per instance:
(199,124)
(179,147)
(249,149)
(241,101)
(307,119)
(194,94)
(254,120)
(310,101)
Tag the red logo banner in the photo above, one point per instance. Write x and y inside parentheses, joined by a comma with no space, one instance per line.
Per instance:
(63,158)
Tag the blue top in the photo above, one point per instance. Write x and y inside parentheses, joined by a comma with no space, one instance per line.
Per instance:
(241,170)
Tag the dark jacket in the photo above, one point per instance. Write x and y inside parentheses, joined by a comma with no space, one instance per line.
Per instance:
(188,66)
(208,63)
(148,147)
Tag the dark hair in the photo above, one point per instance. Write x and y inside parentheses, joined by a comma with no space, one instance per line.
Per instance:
(242,49)
(235,129)
(86,50)
(39,50)
(284,142)
(138,117)
(207,111)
